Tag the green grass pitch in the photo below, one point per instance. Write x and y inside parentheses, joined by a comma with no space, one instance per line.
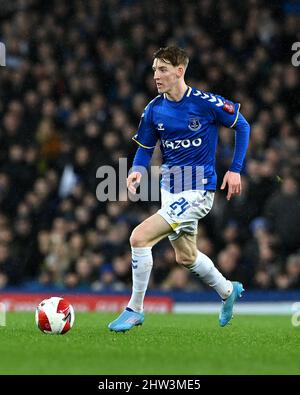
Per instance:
(165,344)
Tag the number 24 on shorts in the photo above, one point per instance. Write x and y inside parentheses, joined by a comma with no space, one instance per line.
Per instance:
(182,203)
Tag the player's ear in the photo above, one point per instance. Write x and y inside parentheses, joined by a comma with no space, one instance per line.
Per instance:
(180,71)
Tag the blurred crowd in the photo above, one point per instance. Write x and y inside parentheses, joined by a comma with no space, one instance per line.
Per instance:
(77,78)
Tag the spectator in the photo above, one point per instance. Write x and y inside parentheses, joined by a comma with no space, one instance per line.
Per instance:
(283,212)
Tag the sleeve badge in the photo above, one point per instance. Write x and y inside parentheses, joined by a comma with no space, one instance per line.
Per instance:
(228,107)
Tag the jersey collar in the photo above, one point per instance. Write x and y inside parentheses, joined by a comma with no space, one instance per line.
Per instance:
(186,94)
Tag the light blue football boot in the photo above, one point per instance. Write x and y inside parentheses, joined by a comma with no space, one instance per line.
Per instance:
(127,320)
(226,312)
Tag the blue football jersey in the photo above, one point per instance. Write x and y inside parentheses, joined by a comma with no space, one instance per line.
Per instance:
(188,134)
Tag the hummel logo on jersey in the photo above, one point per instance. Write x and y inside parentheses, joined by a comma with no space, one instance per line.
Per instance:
(160,126)
(194,124)
(209,97)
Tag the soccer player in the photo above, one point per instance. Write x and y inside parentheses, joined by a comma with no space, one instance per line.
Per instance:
(185,120)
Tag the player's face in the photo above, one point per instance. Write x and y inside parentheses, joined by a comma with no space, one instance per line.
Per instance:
(165,75)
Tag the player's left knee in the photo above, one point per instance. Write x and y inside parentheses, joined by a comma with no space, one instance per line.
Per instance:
(138,239)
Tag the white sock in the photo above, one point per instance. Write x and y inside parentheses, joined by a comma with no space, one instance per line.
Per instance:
(204,268)
(142,262)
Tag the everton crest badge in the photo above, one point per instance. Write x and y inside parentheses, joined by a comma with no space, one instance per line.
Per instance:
(194,124)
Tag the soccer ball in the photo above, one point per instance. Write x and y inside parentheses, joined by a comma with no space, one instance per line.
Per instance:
(55,316)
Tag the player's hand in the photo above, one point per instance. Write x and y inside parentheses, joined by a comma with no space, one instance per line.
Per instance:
(234,184)
(133,181)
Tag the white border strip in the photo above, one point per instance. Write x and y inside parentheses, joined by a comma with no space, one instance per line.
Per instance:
(278,308)
(2,314)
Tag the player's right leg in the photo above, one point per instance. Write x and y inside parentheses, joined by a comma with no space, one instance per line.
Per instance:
(202,266)
(143,238)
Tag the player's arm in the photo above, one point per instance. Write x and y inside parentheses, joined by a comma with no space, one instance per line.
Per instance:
(146,138)
(227,114)
(232,177)
(140,164)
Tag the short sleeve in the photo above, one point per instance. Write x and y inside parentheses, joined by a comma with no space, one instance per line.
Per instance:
(225,111)
(146,135)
